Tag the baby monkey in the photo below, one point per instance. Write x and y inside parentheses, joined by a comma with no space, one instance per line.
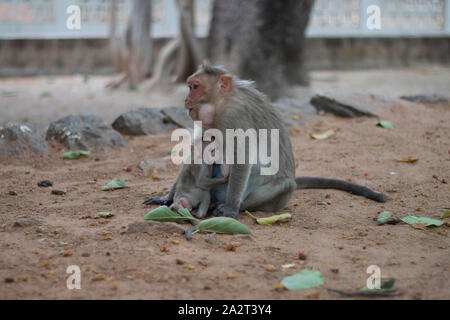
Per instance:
(193,188)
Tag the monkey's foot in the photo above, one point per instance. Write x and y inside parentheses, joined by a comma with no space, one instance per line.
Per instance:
(162,201)
(222,210)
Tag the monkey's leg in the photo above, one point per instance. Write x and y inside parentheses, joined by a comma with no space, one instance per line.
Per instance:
(204,206)
(237,184)
(271,196)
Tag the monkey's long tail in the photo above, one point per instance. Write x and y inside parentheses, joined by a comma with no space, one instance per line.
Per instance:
(324,183)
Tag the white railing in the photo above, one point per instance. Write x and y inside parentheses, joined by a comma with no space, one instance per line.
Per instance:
(47,19)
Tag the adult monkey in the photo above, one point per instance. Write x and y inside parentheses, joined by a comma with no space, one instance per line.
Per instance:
(223,101)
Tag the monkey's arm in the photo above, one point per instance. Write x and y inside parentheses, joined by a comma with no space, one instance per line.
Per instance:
(209,183)
(237,182)
(324,183)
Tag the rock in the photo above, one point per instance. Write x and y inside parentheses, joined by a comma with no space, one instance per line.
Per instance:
(59,192)
(19,139)
(426,98)
(142,121)
(179,116)
(42,229)
(45,183)
(84,132)
(154,165)
(356,104)
(27,222)
(145,121)
(211,238)
(294,111)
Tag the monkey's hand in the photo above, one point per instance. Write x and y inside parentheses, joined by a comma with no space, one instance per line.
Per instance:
(162,201)
(223,210)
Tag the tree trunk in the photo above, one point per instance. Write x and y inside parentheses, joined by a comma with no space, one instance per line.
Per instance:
(189,53)
(183,53)
(261,40)
(131,53)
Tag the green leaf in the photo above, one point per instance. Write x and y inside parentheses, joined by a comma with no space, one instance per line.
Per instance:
(105,214)
(46,94)
(115,184)
(304,279)
(385,285)
(383,217)
(445,214)
(322,136)
(223,225)
(76,154)
(387,289)
(385,124)
(272,219)
(185,212)
(426,221)
(164,214)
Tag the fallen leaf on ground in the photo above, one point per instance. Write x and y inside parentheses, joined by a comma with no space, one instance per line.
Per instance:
(387,217)
(322,136)
(407,160)
(270,220)
(445,214)
(304,279)
(270,267)
(164,214)
(105,214)
(76,154)
(384,124)
(423,220)
(287,266)
(222,225)
(99,277)
(387,289)
(115,184)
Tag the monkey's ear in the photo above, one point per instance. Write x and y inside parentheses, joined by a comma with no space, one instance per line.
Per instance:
(225,84)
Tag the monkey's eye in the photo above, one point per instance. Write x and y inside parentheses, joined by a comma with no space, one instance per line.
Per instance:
(195,86)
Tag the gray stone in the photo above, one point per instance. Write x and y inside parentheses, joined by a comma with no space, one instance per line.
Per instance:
(294,111)
(427,98)
(179,116)
(145,121)
(142,121)
(42,229)
(27,222)
(19,139)
(84,132)
(154,165)
(356,104)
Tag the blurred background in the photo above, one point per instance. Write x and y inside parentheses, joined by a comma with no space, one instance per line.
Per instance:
(105,57)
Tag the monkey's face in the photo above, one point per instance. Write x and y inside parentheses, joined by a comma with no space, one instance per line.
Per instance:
(198,94)
(182,202)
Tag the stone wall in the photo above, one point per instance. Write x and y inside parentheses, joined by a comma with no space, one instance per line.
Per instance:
(32,57)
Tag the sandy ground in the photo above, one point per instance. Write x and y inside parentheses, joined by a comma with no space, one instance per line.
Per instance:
(116,263)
